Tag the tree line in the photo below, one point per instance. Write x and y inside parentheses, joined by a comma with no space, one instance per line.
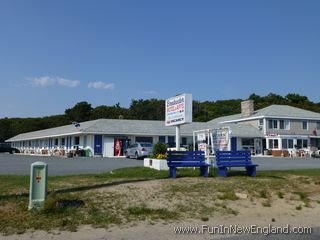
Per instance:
(149,109)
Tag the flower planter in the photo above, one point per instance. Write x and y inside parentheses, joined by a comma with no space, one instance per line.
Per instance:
(158,164)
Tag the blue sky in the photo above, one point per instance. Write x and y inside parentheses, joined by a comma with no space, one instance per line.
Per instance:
(54,54)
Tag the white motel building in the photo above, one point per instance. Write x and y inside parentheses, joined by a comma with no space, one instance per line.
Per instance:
(281,129)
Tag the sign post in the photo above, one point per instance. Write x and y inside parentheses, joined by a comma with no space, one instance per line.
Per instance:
(178,112)
(178,137)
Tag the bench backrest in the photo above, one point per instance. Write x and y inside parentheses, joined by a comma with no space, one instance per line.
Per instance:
(241,157)
(185,156)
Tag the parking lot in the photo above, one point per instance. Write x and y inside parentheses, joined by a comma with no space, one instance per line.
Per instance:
(20,164)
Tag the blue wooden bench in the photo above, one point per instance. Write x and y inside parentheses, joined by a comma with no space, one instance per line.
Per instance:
(228,159)
(187,159)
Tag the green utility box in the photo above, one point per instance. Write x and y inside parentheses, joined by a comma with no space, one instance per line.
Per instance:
(38,185)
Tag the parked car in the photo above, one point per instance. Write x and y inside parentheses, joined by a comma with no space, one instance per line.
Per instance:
(6,148)
(139,150)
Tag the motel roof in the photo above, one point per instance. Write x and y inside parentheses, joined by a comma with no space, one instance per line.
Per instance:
(273,111)
(111,127)
(118,127)
(286,111)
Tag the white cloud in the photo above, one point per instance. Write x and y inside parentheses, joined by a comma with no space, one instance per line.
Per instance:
(42,81)
(46,81)
(101,85)
(67,82)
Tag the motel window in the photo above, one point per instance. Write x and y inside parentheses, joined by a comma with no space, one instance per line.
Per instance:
(287,143)
(284,143)
(247,141)
(85,140)
(171,141)
(273,124)
(76,141)
(63,141)
(144,139)
(302,143)
(184,141)
(304,125)
(162,139)
(273,143)
(260,122)
(290,143)
(284,124)
(318,125)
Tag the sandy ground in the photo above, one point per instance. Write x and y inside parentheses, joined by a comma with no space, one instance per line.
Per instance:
(281,213)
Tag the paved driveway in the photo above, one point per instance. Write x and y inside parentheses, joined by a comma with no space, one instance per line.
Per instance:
(20,165)
(272,163)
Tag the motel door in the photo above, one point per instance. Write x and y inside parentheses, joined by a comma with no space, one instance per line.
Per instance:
(108,148)
(233,144)
(97,144)
(258,146)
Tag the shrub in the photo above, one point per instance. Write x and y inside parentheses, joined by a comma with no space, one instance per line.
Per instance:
(159,148)
(280,194)
(160,156)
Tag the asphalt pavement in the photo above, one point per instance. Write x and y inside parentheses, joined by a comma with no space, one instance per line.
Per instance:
(57,166)
(20,164)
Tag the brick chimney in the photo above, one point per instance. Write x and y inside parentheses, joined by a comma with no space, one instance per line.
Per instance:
(247,108)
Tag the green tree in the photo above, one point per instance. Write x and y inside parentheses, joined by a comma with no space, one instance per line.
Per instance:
(151,109)
(111,112)
(5,129)
(297,99)
(80,112)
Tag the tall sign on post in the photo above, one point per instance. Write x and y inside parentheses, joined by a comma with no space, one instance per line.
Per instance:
(178,112)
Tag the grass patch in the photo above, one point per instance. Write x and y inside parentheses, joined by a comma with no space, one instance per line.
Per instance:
(228,195)
(143,213)
(55,204)
(204,219)
(266,203)
(14,184)
(280,195)
(303,197)
(263,193)
(117,198)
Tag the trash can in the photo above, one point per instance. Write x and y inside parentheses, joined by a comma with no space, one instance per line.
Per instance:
(86,153)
